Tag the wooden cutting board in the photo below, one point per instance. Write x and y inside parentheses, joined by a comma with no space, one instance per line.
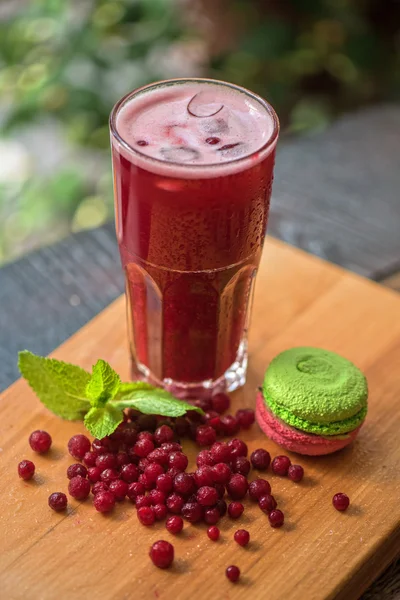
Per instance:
(319,553)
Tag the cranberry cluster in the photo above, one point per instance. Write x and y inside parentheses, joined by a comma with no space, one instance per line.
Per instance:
(144,462)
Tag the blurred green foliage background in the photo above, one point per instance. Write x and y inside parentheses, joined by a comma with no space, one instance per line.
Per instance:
(64,63)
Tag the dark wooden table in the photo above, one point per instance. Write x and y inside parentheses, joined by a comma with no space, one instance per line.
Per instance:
(336,195)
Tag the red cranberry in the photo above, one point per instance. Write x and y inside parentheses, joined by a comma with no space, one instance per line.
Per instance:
(296,472)
(100,446)
(157,497)
(211,414)
(90,458)
(230,425)
(181,426)
(104,502)
(241,465)
(26,469)
(232,573)
(242,537)
(260,459)
(106,461)
(222,507)
(341,501)
(119,488)
(163,434)
(98,487)
(220,403)
(143,447)
(171,447)
(77,469)
(160,511)
(159,456)
(133,457)
(194,419)
(79,488)
(175,503)
(204,476)
(142,464)
(122,459)
(238,448)
(280,465)
(78,445)
(174,524)
(146,435)
(212,141)
(276,518)
(40,441)
(117,435)
(205,435)
(237,486)
(213,533)
(235,510)
(164,483)
(211,516)
(146,515)
(152,471)
(109,475)
(142,501)
(267,503)
(215,423)
(162,554)
(178,460)
(184,484)
(221,473)
(220,452)
(142,143)
(203,403)
(204,457)
(58,501)
(258,488)
(135,489)
(129,435)
(147,422)
(173,472)
(207,496)
(246,417)
(192,512)
(149,485)
(130,473)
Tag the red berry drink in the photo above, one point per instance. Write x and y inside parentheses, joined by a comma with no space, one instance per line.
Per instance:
(193,165)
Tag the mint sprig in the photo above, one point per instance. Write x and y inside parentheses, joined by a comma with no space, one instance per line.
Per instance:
(98,398)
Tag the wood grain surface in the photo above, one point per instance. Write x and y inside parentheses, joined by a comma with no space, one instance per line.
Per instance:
(318,554)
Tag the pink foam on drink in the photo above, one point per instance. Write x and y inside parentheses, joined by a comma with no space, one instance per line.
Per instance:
(195,125)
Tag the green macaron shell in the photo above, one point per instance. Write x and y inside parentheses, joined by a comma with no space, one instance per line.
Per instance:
(316,391)
(324,429)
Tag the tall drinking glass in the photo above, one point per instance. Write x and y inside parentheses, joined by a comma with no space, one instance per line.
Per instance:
(193,167)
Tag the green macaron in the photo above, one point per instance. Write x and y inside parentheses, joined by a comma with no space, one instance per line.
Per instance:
(316,391)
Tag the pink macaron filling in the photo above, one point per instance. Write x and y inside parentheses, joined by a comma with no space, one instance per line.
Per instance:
(295,440)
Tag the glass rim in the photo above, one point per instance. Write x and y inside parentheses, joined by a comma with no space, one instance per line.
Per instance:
(268,145)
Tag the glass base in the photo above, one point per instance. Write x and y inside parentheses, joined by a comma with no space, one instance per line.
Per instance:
(231,380)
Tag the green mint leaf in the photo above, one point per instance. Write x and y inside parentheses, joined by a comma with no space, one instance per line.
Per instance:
(60,386)
(156,401)
(103,384)
(125,389)
(103,421)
